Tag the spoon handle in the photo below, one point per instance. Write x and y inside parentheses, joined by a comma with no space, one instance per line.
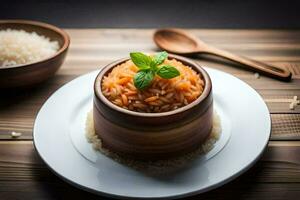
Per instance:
(263,68)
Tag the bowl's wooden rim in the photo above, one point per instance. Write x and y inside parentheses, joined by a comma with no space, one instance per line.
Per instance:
(65,36)
(205,94)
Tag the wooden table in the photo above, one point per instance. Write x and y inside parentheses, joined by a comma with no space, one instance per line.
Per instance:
(277,174)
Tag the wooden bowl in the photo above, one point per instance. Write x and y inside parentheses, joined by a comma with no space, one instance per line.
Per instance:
(153,136)
(30,74)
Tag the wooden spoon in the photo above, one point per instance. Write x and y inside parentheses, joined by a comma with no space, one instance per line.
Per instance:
(180,42)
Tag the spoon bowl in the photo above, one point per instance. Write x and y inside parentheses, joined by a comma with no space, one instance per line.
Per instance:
(176,41)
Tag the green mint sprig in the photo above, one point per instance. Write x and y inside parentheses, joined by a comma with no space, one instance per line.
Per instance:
(149,67)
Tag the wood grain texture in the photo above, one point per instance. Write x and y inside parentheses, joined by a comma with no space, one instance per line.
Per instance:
(23,175)
(92,49)
(276,176)
(284,127)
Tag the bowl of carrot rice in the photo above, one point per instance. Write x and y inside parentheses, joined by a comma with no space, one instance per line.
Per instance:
(169,118)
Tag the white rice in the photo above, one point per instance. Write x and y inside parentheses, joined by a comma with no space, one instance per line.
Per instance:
(21,47)
(160,166)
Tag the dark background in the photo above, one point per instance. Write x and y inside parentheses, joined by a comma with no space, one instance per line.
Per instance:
(156,13)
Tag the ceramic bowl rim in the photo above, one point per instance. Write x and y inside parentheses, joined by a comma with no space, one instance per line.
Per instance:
(205,94)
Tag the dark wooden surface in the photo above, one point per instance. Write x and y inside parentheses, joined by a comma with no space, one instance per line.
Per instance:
(276,175)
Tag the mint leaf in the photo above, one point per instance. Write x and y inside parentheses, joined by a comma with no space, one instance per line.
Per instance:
(149,67)
(143,79)
(167,72)
(141,60)
(160,57)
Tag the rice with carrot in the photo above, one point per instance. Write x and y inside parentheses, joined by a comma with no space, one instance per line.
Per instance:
(161,96)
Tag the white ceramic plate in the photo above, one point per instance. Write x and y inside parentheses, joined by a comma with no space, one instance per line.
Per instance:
(60,141)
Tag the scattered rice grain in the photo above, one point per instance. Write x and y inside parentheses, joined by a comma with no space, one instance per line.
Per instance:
(16,134)
(257,75)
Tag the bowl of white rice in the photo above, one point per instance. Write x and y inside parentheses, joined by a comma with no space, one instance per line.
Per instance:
(30,52)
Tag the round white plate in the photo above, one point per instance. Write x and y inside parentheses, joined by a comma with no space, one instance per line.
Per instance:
(59,139)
